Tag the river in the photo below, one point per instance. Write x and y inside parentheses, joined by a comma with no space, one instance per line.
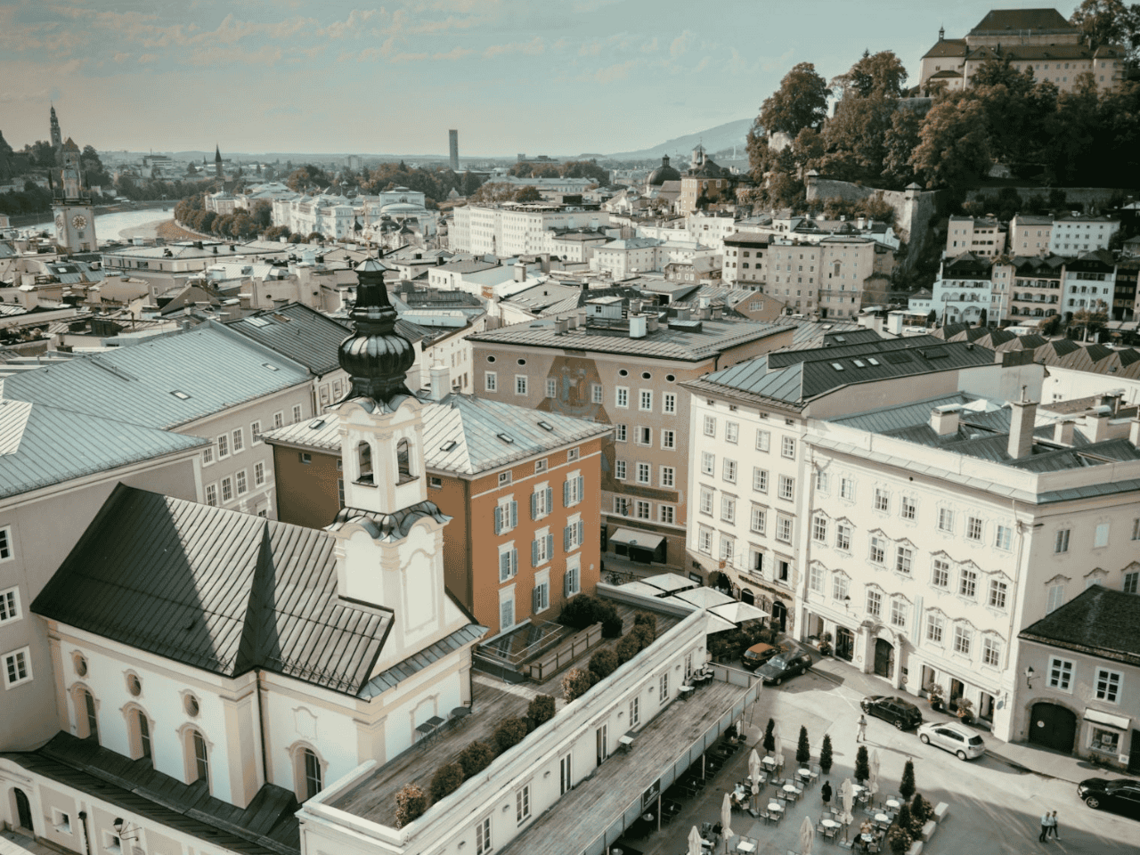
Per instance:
(111,227)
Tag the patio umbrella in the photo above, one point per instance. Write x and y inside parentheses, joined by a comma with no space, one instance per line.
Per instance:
(754,771)
(779,749)
(726,820)
(873,783)
(807,836)
(694,842)
(847,799)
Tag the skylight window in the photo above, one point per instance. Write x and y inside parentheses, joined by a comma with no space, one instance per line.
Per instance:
(317,425)
(838,366)
(505,438)
(447,446)
(859,363)
(180,395)
(258,322)
(872,360)
(546,426)
(271,367)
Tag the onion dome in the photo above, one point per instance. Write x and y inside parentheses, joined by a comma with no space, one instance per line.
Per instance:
(663,173)
(377,358)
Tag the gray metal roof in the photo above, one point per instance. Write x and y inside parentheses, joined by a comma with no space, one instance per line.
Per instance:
(1099,621)
(42,445)
(392,677)
(298,332)
(215,589)
(163,381)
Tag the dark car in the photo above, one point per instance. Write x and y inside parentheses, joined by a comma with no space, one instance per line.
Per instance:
(1120,796)
(902,714)
(758,654)
(784,665)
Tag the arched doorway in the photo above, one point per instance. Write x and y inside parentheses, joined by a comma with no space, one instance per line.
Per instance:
(1052,726)
(884,658)
(844,643)
(746,596)
(24,811)
(779,616)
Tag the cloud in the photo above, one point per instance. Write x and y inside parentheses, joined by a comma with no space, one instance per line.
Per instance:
(454,54)
(682,43)
(349,26)
(616,72)
(532,48)
(148,57)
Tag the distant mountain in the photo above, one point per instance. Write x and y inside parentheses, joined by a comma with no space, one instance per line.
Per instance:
(714,140)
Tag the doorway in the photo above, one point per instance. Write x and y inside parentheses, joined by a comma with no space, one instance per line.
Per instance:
(957,689)
(1133,753)
(1052,726)
(844,643)
(884,658)
(986,707)
(779,616)
(746,596)
(24,811)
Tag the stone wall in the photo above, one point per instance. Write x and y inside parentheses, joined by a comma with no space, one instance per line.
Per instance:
(1077,196)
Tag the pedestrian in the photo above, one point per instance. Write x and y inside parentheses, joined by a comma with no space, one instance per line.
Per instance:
(1053,825)
(1044,827)
(825,793)
(862,737)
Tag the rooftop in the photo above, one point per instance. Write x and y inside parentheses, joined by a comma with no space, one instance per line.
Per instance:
(1099,621)
(1003,21)
(298,332)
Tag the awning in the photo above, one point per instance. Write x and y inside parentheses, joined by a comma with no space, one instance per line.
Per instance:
(670,582)
(640,539)
(718,624)
(642,589)
(704,598)
(739,612)
(1120,722)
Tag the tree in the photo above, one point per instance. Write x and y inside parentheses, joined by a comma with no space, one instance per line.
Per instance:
(856,136)
(825,759)
(541,709)
(646,619)
(862,765)
(899,840)
(509,733)
(882,73)
(899,143)
(411,802)
(475,757)
(603,663)
(800,102)
(803,747)
(905,819)
(528,193)
(262,215)
(932,318)
(627,648)
(906,785)
(983,319)
(921,809)
(575,683)
(447,779)
(1091,320)
(1109,22)
(769,738)
(954,147)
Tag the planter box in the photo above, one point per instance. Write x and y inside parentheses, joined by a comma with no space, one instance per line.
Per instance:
(928,830)
(915,848)
(940,811)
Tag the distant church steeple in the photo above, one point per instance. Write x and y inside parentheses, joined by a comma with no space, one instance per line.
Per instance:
(56,134)
(941,34)
(217,161)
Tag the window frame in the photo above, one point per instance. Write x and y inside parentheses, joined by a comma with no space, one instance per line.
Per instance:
(10,608)
(21,658)
(1112,688)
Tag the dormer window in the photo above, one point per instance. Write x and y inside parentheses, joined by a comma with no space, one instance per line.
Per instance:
(364,463)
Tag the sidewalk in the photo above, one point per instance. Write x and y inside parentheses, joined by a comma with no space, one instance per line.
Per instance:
(1039,761)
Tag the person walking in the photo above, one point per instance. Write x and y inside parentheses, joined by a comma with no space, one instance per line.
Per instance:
(825,793)
(1044,827)
(1053,826)
(862,736)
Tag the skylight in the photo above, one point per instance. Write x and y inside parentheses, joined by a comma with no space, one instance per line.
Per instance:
(505,438)
(447,446)
(271,367)
(317,425)
(258,322)
(182,396)
(859,363)
(872,360)
(838,366)
(545,426)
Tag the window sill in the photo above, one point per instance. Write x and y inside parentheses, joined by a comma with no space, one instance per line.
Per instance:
(360,482)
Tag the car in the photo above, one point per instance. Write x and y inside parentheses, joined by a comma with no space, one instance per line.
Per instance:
(902,714)
(784,665)
(958,740)
(1120,796)
(758,654)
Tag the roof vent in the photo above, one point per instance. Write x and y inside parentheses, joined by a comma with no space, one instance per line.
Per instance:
(447,446)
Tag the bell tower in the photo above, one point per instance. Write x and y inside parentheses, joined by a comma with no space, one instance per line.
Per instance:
(74,213)
(56,135)
(389,535)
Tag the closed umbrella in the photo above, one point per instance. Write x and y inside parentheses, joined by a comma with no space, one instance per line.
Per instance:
(807,836)
(754,772)
(873,783)
(778,750)
(694,842)
(726,820)
(847,799)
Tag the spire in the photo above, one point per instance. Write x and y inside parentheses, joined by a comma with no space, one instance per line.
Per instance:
(377,358)
(217,154)
(56,134)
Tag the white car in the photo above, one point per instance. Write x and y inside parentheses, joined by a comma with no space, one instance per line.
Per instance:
(954,738)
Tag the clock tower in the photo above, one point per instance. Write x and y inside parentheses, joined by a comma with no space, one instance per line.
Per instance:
(74,213)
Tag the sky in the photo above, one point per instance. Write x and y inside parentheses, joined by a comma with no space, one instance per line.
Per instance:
(557,77)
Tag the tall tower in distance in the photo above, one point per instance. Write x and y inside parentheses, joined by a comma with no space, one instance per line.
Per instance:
(454,150)
(217,162)
(56,135)
(74,213)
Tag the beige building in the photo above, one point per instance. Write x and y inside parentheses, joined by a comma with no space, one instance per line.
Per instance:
(831,277)
(744,256)
(982,237)
(1029,234)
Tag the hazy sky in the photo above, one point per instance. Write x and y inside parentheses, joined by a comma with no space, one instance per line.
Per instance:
(535,76)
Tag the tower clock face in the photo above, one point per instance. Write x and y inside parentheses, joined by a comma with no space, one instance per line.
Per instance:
(59,221)
(79,221)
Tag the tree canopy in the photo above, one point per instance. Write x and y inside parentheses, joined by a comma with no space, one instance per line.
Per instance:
(1110,22)
(800,102)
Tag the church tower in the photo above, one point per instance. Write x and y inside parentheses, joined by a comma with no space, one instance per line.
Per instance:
(56,135)
(389,535)
(217,162)
(74,213)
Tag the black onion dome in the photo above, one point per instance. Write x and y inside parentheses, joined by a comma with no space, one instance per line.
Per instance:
(377,358)
(663,173)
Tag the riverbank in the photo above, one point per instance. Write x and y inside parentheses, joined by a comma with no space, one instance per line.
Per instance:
(20,221)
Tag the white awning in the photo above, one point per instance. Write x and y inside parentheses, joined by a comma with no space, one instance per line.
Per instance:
(718,624)
(739,612)
(704,598)
(641,588)
(670,582)
(1120,722)
(640,539)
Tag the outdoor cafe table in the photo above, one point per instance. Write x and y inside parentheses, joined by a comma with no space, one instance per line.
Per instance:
(775,807)
(882,817)
(829,823)
(792,789)
(746,846)
(893,804)
(769,762)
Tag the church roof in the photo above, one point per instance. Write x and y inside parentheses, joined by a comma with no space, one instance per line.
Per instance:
(70,145)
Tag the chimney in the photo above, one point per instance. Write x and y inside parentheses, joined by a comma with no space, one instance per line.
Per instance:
(1022,416)
(653,323)
(562,325)
(1099,418)
(1063,432)
(1134,431)
(634,307)
(440,381)
(1112,400)
(582,320)
(944,419)
(683,313)
(520,272)
(637,325)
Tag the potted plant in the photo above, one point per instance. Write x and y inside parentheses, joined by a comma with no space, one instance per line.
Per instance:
(965,711)
(825,644)
(934,695)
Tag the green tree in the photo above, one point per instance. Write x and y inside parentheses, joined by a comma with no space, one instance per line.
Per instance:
(1110,22)
(528,193)
(856,136)
(954,147)
(603,663)
(874,74)
(899,143)
(585,169)
(1089,321)
(475,757)
(800,102)
(262,215)
(803,747)
(825,758)
(906,785)
(509,733)
(541,709)
(769,737)
(411,802)
(648,620)
(575,683)
(447,779)
(862,765)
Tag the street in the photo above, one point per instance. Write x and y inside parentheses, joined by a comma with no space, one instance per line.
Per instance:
(995,807)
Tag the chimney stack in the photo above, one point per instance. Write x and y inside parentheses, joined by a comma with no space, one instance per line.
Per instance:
(440,381)
(944,419)
(1134,431)
(1063,432)
(1099,418)
(520,271)
(1023,415)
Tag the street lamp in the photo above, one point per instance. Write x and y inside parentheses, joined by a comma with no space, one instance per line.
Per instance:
(124,829)
(1029,677)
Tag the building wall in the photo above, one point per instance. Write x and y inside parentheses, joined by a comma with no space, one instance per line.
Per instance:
(1029,238)
(308,492)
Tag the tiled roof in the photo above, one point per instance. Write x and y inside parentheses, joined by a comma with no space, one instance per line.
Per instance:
(216,589)
(1098,621)
(164,381)
(42,445)
(298,332)
(1003,21)
(947,47)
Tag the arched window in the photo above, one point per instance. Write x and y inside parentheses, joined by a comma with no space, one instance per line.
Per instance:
(403,461)
(364,463)
(310,772)
(142,728)
(86,716)
(200,756)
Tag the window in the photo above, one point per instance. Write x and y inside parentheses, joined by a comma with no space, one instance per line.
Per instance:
(898,613)
(843,537)
(1101,537)
(882,500)
(663,688)
(710,426)
(708,463)
(666,514)
(505,478)
(878,550)
(874,603)
(508,562)
(241,482)
(763,440)
(259,473)
(541,502)
(540,597)
(934,627)
(211,494)
(573,534)
(904,559)
(729,473)
(760,480)
(732,432)
(311,783)
(17,667)
(1060,674)
(644,436)
(619,470)
(991,652)
(727,548)
(962,640)
(223,444)
(908,509)
(597,395)
(506,515)
(1056,598)
(668,439)
(669,403)
(483,836)
(940,577)
(9,605)
(1108,685)
(572,578)
(634,711)
(839,587)
(573,489)
(973,528)
(945,519)
(706,501)
(728,509)
(788,447)
(520,384)
(704,540)
(815,578)
(968,583)
(1131,581)
(998,592)
(787,487)
(227,489)
(784,529)
(522,804)
(255,431)
(621,433)
(296,413)
(1061,542)
(847,489)
(1003,537)
(621,397)
(819,529)
(645,400)
(278,419)
(565,769)
(821,481)
(1136,529)
(207,455)
(541,548)
(668,476)
(551,387)
(490,381)
(238,440)
(142,729)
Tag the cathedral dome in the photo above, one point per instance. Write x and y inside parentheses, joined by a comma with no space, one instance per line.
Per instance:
(663,173)
(377,358)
